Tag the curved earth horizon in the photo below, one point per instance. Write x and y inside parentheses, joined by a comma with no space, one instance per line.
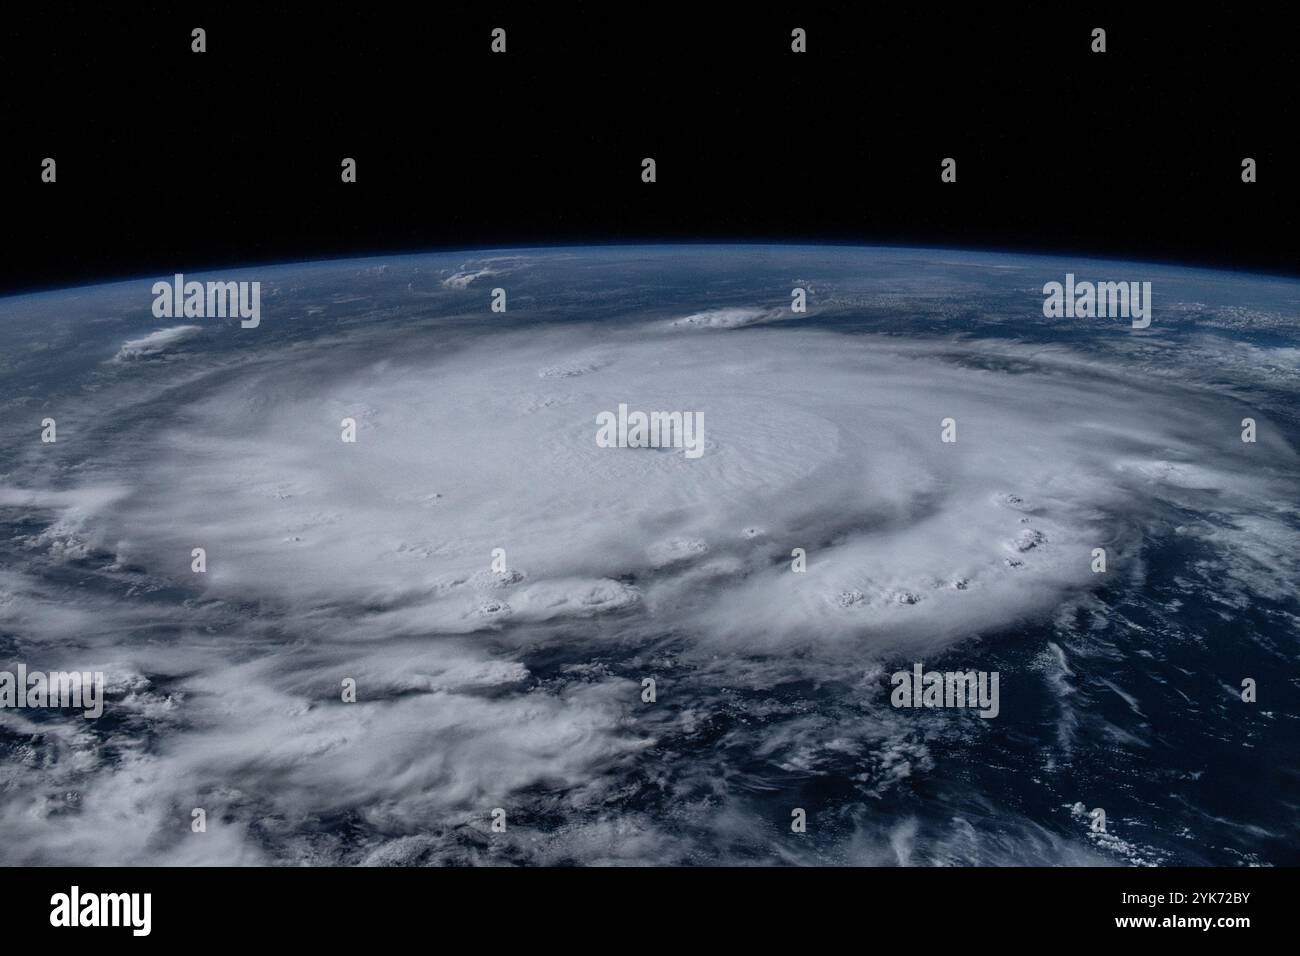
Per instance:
(447,612)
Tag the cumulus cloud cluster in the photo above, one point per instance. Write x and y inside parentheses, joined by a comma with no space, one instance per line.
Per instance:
(155,343)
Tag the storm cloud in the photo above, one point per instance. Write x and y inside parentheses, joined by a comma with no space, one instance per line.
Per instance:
(520,688)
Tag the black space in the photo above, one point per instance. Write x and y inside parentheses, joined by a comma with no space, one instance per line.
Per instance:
(173,161)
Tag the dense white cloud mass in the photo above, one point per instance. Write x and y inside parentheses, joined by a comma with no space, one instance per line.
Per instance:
(731,318)
(521,689)
(155,343)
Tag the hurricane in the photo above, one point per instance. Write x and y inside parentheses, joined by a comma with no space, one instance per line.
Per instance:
(366,587)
